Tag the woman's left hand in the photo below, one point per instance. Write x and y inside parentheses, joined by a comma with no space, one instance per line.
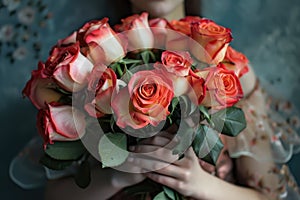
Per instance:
(155,157)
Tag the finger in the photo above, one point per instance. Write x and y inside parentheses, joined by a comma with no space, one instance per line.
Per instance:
(172,171)
(189,157)
(189,153)
(148,163)
(165,180)
(150,152)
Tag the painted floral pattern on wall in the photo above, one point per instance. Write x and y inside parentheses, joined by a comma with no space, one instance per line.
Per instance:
(19,31)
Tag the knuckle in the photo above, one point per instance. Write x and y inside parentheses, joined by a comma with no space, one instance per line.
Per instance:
(180,185)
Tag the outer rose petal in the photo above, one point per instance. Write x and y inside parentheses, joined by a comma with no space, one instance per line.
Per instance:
(159,30)
(121,107)
(236,61)
(39,89)
(138,32)
(80,69)
(64,80)
(68,121)
(109,45)
(102,85)
(223,87)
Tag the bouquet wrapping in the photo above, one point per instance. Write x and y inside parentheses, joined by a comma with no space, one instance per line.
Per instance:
(103,89)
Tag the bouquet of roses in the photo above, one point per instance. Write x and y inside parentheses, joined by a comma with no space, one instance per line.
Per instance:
(103,89)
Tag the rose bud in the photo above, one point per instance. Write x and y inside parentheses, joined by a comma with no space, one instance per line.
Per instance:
(144,101)
(210,41)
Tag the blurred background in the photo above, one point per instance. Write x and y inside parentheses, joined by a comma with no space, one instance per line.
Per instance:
(267,31)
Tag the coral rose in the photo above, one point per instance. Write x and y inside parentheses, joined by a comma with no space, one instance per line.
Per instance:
(222,85)
(144,101)
(212,40)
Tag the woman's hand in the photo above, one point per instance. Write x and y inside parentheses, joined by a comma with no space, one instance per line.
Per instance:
(155,157)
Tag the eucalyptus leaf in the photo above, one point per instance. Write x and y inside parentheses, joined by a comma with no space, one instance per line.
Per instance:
(207,144)
(230,121)
(161,196)
(70,150)
(112,149)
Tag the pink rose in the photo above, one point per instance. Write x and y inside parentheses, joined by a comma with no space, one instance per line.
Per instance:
(176,62)
(60,123)
(137,30)
(159,29)
(68,67)
(102,83)
(236,61)
(223,87)
(40,89)
(210,41)
(144,101)
(105,46)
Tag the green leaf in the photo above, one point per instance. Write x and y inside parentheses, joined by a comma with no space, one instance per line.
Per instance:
(230,121)
(70,150)
(53,164)
(112,149)
(174,103)
(185,135)
(172,194)
(204,112)
(126,76)
(207,144)
(83,175)
(161,196)
(147,55)
(114,66)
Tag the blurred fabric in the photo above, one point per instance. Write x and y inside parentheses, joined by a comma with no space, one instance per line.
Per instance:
(267,31)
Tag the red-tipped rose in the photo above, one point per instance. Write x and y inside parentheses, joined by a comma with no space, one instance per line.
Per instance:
(212,40)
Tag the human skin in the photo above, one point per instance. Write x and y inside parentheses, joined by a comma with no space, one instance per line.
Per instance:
(169,9)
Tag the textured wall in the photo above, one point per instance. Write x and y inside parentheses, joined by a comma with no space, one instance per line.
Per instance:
(265,30)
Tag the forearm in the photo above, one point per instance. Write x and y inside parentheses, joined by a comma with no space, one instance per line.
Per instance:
(219,190)
(102,186)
